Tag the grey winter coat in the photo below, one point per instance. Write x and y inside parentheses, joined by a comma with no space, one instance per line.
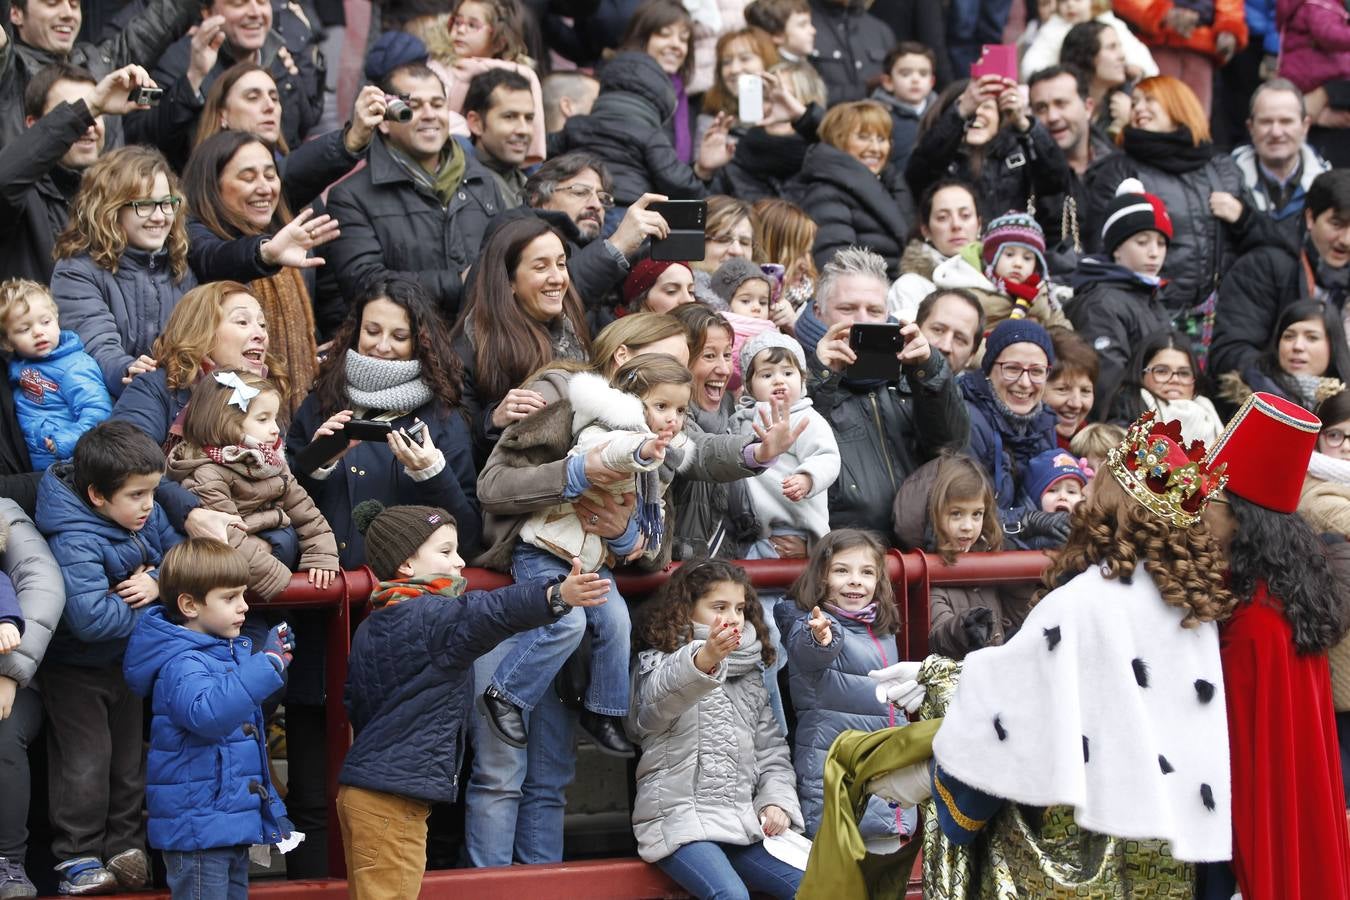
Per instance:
(832,694)
(37,580)
(712,753)
(118,314)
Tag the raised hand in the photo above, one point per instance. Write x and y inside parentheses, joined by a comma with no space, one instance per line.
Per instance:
(833,350)
(821,632)
(291,245)
(204,49)
(640,223)
(367,114)
(584,588)
(775,432)
(111,94)
(725,637)
(655,448)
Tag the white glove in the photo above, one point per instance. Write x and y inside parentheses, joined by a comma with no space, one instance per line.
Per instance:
(906,786)
(899,686)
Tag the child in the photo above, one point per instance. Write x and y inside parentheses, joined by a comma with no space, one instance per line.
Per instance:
(947,507)
(906,89)
(232,459)
(410,681)
(209,793)
(741,292)
(1093,441)
(59,392)
(790,498)
(108,536)
(788,25)
(715,776)
(840,625)
(1057,479)
(1115,302)
(1044,49)
(638,421)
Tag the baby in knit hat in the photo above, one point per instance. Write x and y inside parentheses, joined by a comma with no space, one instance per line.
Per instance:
(742,292)
(791,497)
(1014,260)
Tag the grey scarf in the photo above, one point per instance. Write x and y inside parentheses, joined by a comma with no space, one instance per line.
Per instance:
(386,384)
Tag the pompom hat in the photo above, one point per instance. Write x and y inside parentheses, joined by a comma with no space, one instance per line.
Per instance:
(394,534)
(1013,229)
(1131,211)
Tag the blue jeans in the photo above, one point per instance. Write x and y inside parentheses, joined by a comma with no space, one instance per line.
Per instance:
(515,799)
(713,871)
(527,673)
(219,874)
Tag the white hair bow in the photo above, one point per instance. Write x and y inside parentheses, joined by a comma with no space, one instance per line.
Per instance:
(242,392)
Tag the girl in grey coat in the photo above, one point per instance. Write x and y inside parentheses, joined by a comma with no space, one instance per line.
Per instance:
(714,778)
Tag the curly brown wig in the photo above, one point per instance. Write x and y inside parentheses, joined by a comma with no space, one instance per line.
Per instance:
(667,622)
(812,586)
(1113,530)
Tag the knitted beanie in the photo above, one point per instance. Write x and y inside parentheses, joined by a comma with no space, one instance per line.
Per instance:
(733,273)
(394,534)
(391,50)
(643,275)
(1049,467)
(1013,229)
(1132,210)
(1016,331)
(767,340)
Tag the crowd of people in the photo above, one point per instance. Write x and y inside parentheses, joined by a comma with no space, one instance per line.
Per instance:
(266,320)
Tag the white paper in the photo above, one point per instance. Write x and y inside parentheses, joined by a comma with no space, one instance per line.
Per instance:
(290,841)
(789,847)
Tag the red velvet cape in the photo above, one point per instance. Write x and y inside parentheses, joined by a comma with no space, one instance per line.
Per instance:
(1290,840)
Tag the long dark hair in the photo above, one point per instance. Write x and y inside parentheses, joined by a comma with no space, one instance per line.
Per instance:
(1081,46)
(651,17)
(667,624)
(441,369)
(1263,548)
(201,183)
(208,121)
(1338,355)
(1127,404)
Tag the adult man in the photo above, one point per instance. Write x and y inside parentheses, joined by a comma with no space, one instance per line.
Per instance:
(499,109)
(567,94)
(41,32)
(953,322)
(1267,279)
(422,204)
(1060,101)
(1278,166)
(887,428)
(40,169)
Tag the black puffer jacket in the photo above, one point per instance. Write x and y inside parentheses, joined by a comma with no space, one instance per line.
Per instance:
(1015,166)
(851,45)
(36,190)
(626,129)
(1254,292)
(852,206)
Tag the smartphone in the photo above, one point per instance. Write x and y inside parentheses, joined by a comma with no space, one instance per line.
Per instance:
(750,96)
(687,219)
(145,96)
(875,346)
(414,431)
(318,453)
(995,59)
(367,430)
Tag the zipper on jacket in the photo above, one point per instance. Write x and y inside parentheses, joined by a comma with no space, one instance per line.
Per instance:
(881,438)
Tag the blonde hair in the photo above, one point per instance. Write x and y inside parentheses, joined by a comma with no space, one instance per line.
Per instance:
(805,80)
(211,420)
(642,373)
(784,234)
(190,334)
(1095,439)
(858,117)
(125,174)
(16,298)
(633,330)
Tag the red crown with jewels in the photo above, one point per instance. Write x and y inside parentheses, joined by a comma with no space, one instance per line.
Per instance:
(1168,479)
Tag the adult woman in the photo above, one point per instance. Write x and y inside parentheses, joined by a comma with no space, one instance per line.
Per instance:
(664,30)
(729,232)
(949,218)
(523,312)
(1010,423)
(742,51)
(121,263)
(785,235)
(769,153)
(981,130)
(658,286)
(1306,361)
(1095,48)
(1167,147)
(242,230)
(848,189)
(1069,389)
(1162,375)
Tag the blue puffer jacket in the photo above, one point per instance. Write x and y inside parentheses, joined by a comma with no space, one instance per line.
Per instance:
(1003,453)
(95,554)
(832,694)
(410,683)
(118,314)
(60,396)
(207,783)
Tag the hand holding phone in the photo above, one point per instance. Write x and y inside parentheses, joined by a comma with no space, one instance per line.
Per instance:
(750,98)
(876,348)
(995,59)
(686,220)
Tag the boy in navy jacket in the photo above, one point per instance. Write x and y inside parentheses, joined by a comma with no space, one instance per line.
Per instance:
(209,790)
(108,536)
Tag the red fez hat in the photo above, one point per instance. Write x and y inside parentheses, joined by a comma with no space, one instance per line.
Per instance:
(1266,448)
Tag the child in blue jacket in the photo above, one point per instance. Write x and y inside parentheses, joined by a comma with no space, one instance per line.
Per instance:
(209,791)
(108,536)
(58,388)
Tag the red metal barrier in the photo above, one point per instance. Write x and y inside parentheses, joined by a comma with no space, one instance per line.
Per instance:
(913,574)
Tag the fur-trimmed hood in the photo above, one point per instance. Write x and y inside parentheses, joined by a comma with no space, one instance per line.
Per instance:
(595,402)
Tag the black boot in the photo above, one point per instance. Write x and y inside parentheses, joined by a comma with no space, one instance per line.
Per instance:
(504,718)
(607,733)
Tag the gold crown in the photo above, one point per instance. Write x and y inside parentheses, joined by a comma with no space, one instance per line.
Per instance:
(1169,480)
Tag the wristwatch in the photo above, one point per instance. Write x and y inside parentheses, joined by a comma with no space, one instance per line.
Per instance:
(556,604)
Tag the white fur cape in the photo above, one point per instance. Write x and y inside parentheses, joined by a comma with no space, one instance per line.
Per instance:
(1102,702)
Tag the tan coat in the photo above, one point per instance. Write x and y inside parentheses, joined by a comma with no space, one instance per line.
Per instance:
(265,498)
(1325,505)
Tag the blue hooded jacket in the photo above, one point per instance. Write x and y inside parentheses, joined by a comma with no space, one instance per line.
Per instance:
(207,783)
(95,554)
(60,396)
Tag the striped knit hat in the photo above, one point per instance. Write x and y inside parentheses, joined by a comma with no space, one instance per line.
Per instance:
(1013,229)
(1132,210)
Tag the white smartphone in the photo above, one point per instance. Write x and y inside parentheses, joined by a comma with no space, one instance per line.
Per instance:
(750,94)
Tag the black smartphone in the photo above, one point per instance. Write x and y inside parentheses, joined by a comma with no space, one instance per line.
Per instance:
(414,431)
(318,453)
(145,96)
(876,346)
(687,219)
(367,430)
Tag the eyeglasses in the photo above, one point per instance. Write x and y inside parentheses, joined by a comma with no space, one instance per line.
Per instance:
(1011,372)
(582,192)
(1334,437)
(143,208)
(1165,374)
(472,26)
(727,240)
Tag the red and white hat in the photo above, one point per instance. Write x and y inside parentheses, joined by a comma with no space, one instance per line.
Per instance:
(1131,211)
(1266,447)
